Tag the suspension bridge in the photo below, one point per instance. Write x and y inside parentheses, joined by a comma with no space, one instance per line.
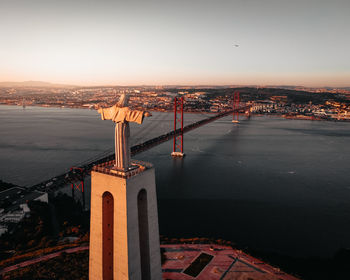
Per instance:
(75,175)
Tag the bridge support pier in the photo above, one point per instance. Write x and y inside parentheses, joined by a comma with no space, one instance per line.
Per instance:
(79,172)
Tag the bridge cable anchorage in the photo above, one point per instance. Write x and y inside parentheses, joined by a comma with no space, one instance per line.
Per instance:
(77,179)
(235,107)
(178,144)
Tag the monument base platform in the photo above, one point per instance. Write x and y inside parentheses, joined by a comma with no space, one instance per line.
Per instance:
(216,262)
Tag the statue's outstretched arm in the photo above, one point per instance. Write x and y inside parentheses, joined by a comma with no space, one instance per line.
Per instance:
(137,116)
(107,113)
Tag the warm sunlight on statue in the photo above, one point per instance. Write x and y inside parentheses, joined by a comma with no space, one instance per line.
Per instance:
(122,115)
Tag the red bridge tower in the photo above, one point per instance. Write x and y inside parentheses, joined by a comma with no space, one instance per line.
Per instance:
(178,145)
(235,117)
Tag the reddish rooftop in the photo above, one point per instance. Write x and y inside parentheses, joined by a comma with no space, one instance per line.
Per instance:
(226,264)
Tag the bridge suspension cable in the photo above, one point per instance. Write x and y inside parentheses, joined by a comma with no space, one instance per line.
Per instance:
(85,168)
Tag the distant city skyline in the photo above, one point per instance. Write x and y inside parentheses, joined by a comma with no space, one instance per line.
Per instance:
(162,42)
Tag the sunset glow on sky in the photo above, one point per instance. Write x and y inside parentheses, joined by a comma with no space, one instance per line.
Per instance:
(176,42)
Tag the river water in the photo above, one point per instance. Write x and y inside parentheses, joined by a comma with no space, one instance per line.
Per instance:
(267,183)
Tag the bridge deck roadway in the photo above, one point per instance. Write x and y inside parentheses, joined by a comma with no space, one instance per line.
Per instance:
(65,178)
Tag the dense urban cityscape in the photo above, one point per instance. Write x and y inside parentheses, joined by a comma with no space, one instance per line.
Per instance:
(293,102)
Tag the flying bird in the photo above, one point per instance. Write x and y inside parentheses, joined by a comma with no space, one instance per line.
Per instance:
(236,45)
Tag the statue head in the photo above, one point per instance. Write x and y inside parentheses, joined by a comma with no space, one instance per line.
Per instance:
(123,100)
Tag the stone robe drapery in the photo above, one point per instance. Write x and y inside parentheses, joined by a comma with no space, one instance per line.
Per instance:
(122,147)
(122,116)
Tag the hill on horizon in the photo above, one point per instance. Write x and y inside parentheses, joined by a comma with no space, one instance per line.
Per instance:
(34,84)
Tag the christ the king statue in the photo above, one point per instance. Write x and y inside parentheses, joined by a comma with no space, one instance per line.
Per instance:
(122,115)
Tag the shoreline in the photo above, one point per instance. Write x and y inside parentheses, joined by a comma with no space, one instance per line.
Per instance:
(312,118)
(284,116)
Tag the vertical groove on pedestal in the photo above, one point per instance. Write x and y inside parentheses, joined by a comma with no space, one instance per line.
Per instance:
(107,232)
(144,235)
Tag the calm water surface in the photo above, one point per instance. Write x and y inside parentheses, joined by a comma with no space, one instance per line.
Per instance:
(267,183)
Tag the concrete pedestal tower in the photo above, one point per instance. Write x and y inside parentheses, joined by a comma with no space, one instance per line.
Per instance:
(124,235)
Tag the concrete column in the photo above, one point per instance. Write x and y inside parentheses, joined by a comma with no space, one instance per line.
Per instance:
(136,250)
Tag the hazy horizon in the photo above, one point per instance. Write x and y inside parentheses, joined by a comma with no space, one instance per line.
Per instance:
(163,42)
(48,83)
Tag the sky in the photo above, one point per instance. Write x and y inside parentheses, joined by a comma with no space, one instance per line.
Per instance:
(192,42)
